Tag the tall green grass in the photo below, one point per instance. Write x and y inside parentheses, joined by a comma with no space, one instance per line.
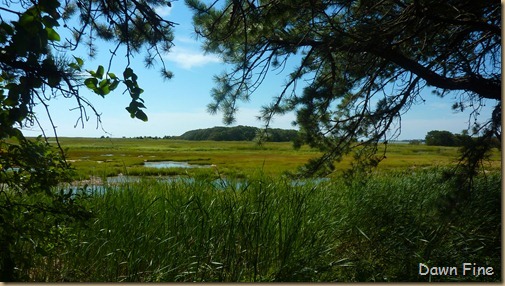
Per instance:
(272,229)
(392,223)
(198,231)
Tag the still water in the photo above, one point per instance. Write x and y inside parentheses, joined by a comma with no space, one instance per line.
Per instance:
(173,164)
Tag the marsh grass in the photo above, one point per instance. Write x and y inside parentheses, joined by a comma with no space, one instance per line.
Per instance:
(199,231)
(266,228)
(88,155)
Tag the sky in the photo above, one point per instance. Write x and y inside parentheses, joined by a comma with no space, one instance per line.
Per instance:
(180,104)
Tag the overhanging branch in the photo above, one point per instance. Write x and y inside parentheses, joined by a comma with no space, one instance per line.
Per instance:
(484,87)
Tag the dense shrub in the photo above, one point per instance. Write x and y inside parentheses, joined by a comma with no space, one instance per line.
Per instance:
(441,138)
(238,133)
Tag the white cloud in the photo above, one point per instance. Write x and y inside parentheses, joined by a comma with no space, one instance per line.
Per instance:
(187,40)
(188,59)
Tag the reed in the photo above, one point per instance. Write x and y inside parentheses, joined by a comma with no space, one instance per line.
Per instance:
(262,229)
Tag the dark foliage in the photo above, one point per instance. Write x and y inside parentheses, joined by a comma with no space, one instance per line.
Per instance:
(240,133)
(363,63)
(38,65)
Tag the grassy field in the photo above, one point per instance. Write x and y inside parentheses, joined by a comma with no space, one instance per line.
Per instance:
(110,157)
(242,221)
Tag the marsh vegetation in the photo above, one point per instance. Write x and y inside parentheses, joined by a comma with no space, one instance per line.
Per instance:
(113,156)
(245,214)
(245,220)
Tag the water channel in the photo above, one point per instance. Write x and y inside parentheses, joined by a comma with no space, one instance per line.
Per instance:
(99,186)
(172,164)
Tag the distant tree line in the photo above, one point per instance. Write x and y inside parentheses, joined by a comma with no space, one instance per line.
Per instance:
(239,133)
(155,137)
(446,138)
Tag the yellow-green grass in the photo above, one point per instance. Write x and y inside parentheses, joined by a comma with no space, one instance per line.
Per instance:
(112,156)
(415,156)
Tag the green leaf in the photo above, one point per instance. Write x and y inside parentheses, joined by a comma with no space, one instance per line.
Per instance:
(103,87)
(135,92)
(103,83)
(91,83)
(128,72)
(137,105)
(129,84)
(133,106)
(50,21)
(74,66)
(26,19)
(131,110)
(49,5)
(134,95)
(103,90)
(141,115)
(78,64)
(113,85)
(79,61)
(52,35)
(6,28)
(53,81)
(99,72)
(140,105)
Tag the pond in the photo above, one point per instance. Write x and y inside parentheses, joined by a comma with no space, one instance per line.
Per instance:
(173,164)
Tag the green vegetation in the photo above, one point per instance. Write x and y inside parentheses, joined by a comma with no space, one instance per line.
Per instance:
(32,214)
(361,65)
(239,133)
(446,138)
(272,229)
(112,156)
(41,60)
(244,221)
(248,218)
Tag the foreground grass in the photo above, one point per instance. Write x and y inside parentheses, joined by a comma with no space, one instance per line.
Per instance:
(262,229)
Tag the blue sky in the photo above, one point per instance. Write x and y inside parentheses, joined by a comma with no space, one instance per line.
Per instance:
(180,104)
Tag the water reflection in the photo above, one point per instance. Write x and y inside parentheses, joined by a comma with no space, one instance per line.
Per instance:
(99,186)
(173,164)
